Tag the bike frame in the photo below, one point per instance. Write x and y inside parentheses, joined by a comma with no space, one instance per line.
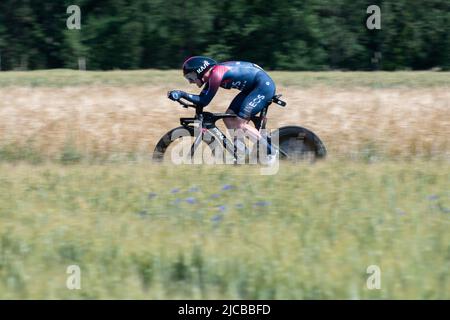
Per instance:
(208,124)
(207,121)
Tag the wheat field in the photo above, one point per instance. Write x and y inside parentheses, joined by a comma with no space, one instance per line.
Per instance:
(102,121)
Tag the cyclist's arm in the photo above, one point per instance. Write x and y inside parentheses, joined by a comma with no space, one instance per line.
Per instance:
(197,99)
(210,90)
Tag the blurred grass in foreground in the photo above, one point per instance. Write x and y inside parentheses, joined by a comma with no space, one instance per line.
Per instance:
(154,232)
(382,79)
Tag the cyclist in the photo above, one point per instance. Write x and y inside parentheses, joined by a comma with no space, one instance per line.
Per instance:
(256,89)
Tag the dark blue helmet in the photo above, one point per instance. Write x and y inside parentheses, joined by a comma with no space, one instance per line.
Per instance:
(196,67)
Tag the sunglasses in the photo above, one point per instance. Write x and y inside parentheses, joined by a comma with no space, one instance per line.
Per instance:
(191,76)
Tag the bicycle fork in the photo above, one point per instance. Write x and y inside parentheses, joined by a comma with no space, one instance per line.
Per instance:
(215,133)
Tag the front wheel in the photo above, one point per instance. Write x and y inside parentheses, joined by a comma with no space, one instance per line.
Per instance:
(182,145)
(298,144)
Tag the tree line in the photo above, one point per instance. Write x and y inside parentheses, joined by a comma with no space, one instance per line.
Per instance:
(276,34)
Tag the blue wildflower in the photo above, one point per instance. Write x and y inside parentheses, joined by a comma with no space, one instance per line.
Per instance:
(222,208)
(191,200)
(228,187)
(175,190)
(215,196)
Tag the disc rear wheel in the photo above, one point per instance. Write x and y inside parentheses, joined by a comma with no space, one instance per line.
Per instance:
(298,144)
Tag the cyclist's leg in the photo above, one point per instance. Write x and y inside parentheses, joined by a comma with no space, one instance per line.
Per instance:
(248,104)
(239,123)
(235,124)
(259,97)
(234,108)
(254,103)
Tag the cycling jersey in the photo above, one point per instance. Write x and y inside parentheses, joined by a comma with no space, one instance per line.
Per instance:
(256,87)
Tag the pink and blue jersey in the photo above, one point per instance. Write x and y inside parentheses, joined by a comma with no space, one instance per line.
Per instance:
(257,88)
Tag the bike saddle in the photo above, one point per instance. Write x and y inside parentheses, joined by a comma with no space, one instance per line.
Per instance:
(278,101)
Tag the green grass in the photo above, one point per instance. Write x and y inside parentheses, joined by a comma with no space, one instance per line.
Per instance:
(65,77)
(309,232)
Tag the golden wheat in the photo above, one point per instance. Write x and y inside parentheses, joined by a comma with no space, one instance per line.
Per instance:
(103,120)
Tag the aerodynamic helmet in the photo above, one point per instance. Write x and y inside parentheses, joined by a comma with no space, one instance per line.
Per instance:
(196,67)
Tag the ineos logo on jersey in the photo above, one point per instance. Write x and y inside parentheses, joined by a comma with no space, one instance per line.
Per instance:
(257,100)
(203,67)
